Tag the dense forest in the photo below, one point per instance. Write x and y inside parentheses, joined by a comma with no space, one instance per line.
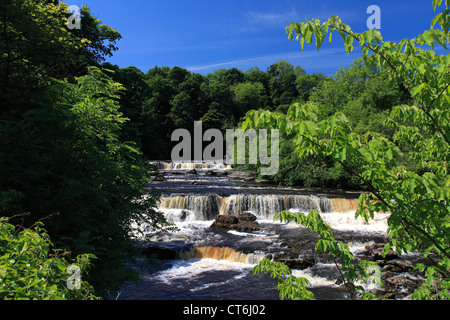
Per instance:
(164,99)
(66,158)
(77,134)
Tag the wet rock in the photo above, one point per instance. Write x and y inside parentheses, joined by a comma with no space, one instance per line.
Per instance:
(300,263)
(247,216)
(226,220)
(245,222)
(397,265)
(375,252)
(177,172)
(159,177)
(247,226)
(164,251)
(399,286)
(243,175)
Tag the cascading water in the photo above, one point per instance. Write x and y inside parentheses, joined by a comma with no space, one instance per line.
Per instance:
(338,212)
(218,265)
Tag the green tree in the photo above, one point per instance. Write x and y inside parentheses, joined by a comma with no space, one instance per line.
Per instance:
(35,45)
(306,84)
(62,147)
(30,270)
(136,91)
(155,132)
(417,199)
(248,96)
(254,75)
(182,113)
(213,118)
(93,179)
(282,83)
(228,77)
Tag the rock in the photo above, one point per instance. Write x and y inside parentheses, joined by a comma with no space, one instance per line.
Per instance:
(160,252)
(245,222)
(300,263)
(179,172)
(184,215)
(159,177)
(165,250)
(375,252)
(247,216)
(399,286)
(398,266)
(247,226)
(243,175)
(277,256)
(193,171)
(227,219)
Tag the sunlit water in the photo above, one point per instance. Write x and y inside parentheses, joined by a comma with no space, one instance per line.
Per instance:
(192,207)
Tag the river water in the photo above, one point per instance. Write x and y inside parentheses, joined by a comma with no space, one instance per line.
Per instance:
(217,265)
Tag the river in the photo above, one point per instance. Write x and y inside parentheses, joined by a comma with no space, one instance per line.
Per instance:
(213,265)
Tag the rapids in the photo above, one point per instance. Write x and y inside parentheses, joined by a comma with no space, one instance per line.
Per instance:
(211,265)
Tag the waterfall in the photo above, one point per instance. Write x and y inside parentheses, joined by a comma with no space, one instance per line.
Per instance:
(194,207)
(223,253)
(167,165)
(265,206)
(343,205)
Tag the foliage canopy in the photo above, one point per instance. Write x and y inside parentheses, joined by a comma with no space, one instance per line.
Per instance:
(416,197)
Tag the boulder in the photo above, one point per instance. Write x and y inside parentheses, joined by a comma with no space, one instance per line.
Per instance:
(227,219)
(375,252)
(247,216)
(245,222)
(247,226)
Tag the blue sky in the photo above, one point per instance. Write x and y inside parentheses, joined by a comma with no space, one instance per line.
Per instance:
(205,35)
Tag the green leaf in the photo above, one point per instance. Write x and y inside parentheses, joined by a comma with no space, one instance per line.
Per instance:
(349,43)
(417,89)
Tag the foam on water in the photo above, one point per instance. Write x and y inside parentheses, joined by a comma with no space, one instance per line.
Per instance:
(317,280)
(194,268)
(193,211)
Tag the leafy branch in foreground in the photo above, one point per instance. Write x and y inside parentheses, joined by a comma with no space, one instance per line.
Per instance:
(416,197)
(29,270)
(289,286)
(350,271)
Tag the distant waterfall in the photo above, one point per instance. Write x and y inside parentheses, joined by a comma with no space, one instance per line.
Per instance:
(166,165)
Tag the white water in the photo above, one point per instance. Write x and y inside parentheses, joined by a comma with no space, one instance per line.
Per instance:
(199,275)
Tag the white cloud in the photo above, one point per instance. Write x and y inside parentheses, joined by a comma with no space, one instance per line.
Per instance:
(267,59)
(272,18)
